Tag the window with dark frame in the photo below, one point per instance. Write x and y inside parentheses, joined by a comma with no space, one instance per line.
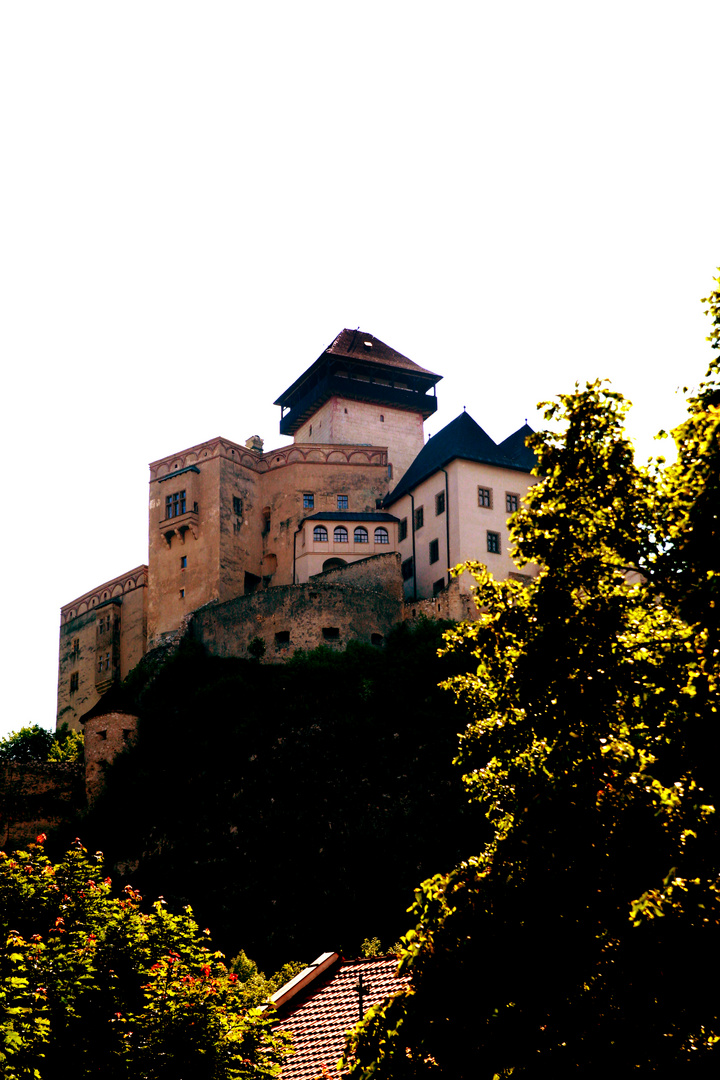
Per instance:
(175,504)
(402,529)
(342,502)
(74,681)
(440,503)
(512,502)
(340,535)
(360,536)
(382,536)
(434,551)
(438,586)
(320,534)
(406,569)
(308,501)
(493,542)
(485,497)
(237,506)
(419,517)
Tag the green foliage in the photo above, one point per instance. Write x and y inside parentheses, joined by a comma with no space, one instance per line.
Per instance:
(91,983)
(588,925)
(37,744)
(30,743)
(256,648)
(67,745)
(334,770)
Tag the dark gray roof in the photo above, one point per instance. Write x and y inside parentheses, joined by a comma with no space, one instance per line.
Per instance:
(514,447)
(464,438)
(348,515)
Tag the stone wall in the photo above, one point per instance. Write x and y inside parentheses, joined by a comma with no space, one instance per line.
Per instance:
(359,602)
(37,797)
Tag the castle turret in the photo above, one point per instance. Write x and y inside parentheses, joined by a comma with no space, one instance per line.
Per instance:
(360,391)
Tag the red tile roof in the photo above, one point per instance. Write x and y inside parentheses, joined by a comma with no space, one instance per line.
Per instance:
(321,1013)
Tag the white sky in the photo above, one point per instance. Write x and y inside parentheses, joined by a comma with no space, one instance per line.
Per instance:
(197,197)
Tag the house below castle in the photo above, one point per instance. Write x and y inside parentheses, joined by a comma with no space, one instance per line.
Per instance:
(336,536)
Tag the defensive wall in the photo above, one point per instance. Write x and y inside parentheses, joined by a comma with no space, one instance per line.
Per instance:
(36,797)
(358,602)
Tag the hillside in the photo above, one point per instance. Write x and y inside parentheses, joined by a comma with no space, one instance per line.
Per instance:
(295,807)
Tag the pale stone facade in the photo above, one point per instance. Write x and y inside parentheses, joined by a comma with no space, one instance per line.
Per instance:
(297,543)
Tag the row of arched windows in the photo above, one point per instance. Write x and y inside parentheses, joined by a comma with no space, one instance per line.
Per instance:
(340,535)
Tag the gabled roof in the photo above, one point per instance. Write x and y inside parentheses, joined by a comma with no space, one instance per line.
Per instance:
(464,438)
(322,1003)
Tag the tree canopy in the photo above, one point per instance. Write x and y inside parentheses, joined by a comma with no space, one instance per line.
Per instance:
(582,939)
(37,744)
(90,983)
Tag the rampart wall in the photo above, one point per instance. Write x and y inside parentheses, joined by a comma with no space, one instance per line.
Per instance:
(37,797)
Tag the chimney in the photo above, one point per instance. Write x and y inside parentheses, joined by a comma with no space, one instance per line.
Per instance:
(254,443)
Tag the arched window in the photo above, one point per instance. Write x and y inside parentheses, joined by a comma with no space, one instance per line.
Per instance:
(320,534)
(381,536)
(340,536)
(361,535)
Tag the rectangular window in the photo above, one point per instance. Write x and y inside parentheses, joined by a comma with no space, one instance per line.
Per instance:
(74,682)
(402,529)
(308,501)
(407,569)
(438,586)
(76,647)
(182,594)
(485,497)
(434,550)
(493,542)
(183,562)
(282,638)
(342,502)
(512,502)
(419,518)
(440,503)
(331,633)
(175,504)
(237,506)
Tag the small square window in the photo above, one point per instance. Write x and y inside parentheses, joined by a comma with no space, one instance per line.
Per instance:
(402,529)
(493,542)
(419,518)
(282,638)
(512,502)
(308,501)
(440,503)
(485,497)
(342,502)
(183,562)
(237,506)
(434,550)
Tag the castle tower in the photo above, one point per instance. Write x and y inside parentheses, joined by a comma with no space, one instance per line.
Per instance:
(360,391)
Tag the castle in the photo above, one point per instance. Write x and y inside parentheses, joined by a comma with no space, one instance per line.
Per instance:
(336,536)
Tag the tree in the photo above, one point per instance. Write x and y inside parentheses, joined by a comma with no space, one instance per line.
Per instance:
(91,983)
(582,939)
(37,744)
